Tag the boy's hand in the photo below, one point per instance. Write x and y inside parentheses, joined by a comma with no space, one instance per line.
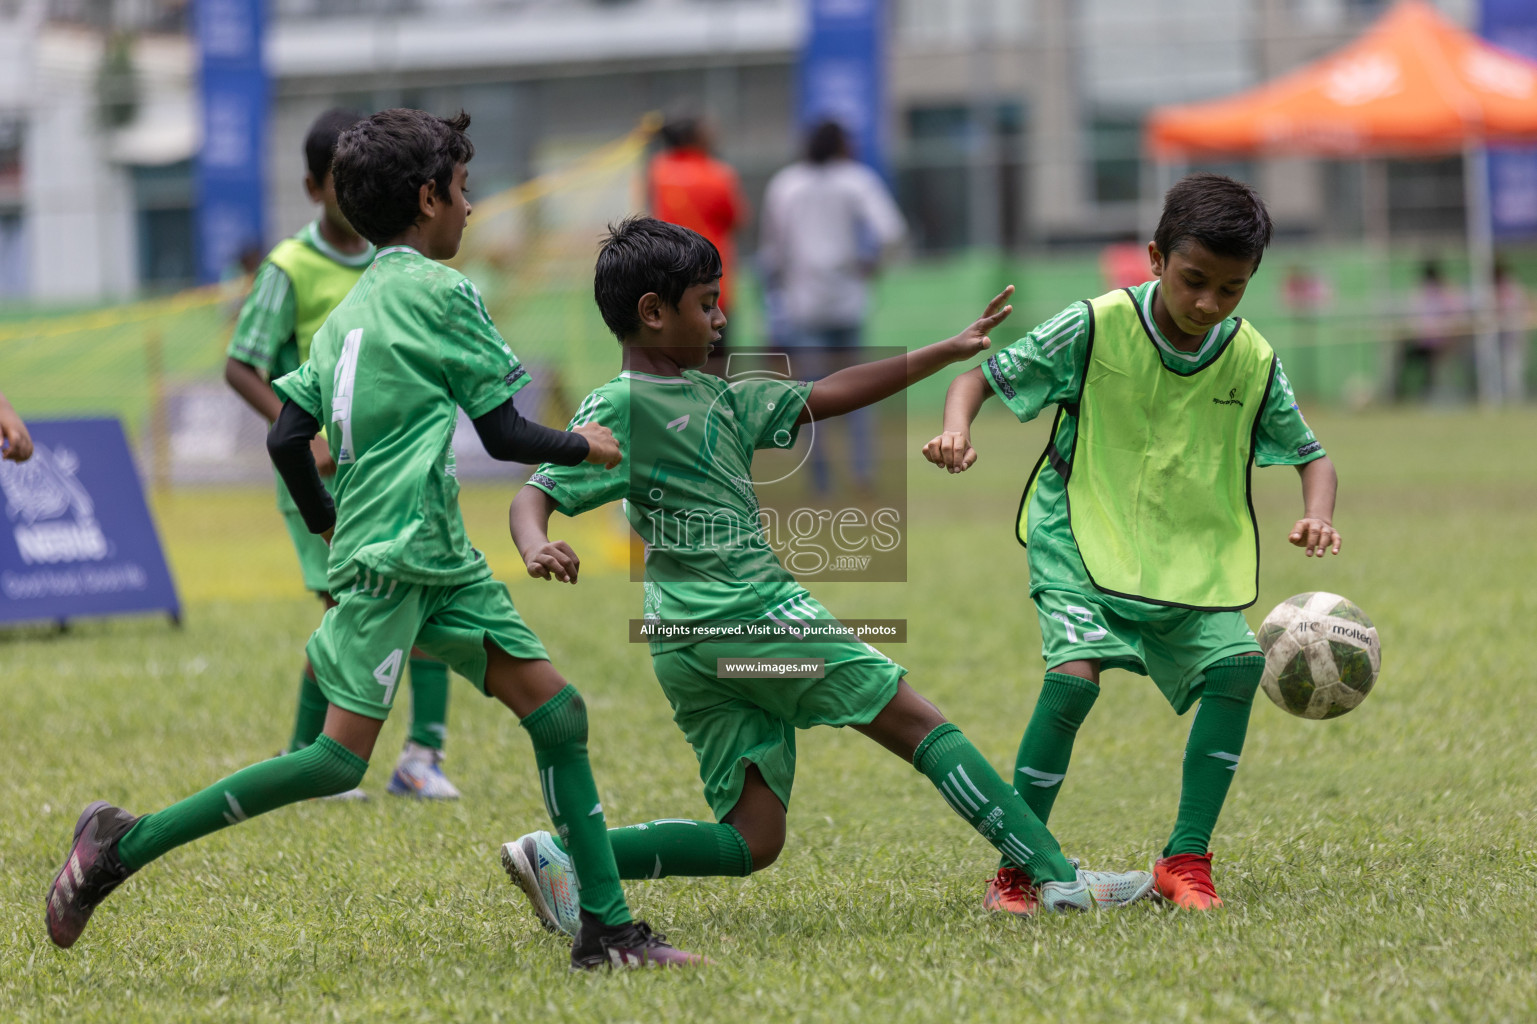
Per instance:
(974,338)
(321,449)
(1315,537)
(952,450)
(327,536)
(17,442)
(602,449)
(553,560)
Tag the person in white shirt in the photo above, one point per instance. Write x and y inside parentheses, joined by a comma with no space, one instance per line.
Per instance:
(828,223)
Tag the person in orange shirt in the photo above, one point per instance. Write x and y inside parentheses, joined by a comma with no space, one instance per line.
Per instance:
(687,186)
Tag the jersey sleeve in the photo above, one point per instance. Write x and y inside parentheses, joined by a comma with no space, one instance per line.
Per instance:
(1044,367)
(302,388)
(266,320)
(586,486)
(482,372)
(766,411)
(1284,437)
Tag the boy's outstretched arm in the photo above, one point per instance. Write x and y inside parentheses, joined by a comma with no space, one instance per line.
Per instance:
(952,448)
(529,520)
(1315,532)
(858,386)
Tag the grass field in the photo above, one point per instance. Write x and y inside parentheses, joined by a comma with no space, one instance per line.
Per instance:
(1377,867)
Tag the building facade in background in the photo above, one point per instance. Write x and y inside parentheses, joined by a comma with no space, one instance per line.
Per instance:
(1013,124)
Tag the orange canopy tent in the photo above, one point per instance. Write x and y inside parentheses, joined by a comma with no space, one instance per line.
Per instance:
(1414,84)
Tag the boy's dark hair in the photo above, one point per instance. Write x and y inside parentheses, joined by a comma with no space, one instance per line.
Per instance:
(382,162)
(679,131)
(1226,216)
(643,254)
(827,141)
(320,140)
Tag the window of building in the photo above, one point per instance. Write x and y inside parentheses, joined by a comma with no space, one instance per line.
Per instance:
(1115,146)
(13,256)
(166,237)
(960,178)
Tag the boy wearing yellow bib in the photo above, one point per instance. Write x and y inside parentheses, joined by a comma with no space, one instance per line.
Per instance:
(1141,536)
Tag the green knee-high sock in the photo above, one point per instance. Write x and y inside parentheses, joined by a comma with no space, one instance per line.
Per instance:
(320,769)
(1212,751)
(558,728)
(311,715)
(975,792)
(429,702)
(678,846)
(1047,746)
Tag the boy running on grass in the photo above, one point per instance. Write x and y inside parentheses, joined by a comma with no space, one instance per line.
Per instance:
(408,347)
(1142,541)
(689,439)
(295,289)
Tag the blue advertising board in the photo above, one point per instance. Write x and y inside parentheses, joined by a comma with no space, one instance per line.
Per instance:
(843,73)
(1512,169)
(77,538)
(233,87)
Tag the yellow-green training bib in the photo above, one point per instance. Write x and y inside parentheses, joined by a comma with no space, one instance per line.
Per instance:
(320,284)
(1158,477)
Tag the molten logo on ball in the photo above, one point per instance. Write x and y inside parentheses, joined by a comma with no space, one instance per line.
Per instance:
(1321,655)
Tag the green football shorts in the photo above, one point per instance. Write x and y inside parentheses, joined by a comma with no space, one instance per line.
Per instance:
(731,722)
(312,550)
(362,646)
(1172,645)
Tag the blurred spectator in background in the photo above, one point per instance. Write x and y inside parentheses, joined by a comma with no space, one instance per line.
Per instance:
(828,223)
(1306,296)
(1515,317)
(686,185)
(239,276)
(1123,264)
(1439,327)
(14,439)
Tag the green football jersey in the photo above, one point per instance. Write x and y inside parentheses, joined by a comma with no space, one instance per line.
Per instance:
(687,486)
(1046,367)
(410,345)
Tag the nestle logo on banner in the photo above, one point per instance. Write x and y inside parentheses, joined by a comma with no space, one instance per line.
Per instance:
(52,517)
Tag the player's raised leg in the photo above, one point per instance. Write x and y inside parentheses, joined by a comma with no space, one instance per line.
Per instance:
(914,729)
(110,844)
(1183,871)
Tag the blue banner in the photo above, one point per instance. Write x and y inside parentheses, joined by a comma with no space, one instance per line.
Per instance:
(1512,170)
(77,538)
(843,73)
(233,85)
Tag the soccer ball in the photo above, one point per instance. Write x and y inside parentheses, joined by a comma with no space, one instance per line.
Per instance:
(1321,655)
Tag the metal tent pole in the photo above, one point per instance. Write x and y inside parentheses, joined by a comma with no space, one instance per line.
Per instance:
(1486,338)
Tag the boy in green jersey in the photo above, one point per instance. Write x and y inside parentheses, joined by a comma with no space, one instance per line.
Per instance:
(408,347)
(295,289)
(689,440)
(1143,547)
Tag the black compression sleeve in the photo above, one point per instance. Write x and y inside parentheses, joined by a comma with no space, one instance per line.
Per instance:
(288,444)
(511,438)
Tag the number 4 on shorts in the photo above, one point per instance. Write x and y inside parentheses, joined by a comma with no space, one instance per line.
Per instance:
(388,674)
